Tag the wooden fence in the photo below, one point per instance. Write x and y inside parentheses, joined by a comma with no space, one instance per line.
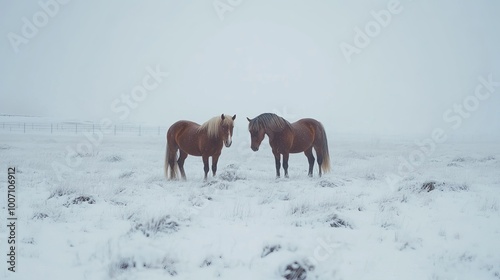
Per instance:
(80,128)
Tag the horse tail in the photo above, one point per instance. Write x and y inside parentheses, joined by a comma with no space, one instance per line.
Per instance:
(325,154)
(166,161)
(170,158)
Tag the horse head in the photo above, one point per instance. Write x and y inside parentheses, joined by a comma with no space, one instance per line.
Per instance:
(257,134)
(227,125)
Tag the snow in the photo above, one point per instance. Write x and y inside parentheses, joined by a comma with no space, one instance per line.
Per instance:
(115,216)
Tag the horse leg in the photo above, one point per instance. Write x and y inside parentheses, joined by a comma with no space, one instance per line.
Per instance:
(277,163)
(205,165)
(215,159)
(285,163)
(310,159)
(182,157)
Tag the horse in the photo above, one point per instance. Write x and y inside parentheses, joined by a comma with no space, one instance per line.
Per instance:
(204,140)
(286,138)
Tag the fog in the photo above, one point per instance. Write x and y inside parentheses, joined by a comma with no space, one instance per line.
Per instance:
(369,67)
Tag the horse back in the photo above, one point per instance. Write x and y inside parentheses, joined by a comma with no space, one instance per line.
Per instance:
(301,136)
(184,135)
(189,138)
(182,127)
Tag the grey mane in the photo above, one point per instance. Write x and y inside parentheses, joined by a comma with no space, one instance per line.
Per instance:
(270,121)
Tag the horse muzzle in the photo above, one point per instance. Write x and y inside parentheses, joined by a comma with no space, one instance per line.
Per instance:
(255,149)
(228,141)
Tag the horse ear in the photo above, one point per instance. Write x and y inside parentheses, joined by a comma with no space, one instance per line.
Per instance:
(222,117)
(234,117)
(249,120)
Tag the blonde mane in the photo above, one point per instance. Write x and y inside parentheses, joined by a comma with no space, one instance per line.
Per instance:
(213,125)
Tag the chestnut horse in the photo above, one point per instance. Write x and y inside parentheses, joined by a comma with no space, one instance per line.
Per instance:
(198,140)
(286,138)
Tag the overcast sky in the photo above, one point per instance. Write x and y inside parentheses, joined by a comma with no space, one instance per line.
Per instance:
(413,62)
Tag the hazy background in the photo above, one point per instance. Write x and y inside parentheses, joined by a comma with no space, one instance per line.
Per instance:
(264,56)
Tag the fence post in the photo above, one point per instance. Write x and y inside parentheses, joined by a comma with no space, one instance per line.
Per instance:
(50,128)
(24,127)
(76,128)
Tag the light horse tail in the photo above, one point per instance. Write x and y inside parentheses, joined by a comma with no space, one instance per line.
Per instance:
(171,161)
(324,153)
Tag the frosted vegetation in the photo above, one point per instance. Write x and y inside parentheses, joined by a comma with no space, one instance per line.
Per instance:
(116,216)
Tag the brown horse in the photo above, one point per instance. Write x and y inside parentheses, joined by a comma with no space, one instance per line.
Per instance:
(198,140)
(286,138)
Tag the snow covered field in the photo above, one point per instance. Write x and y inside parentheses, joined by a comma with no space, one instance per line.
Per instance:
(115,216)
